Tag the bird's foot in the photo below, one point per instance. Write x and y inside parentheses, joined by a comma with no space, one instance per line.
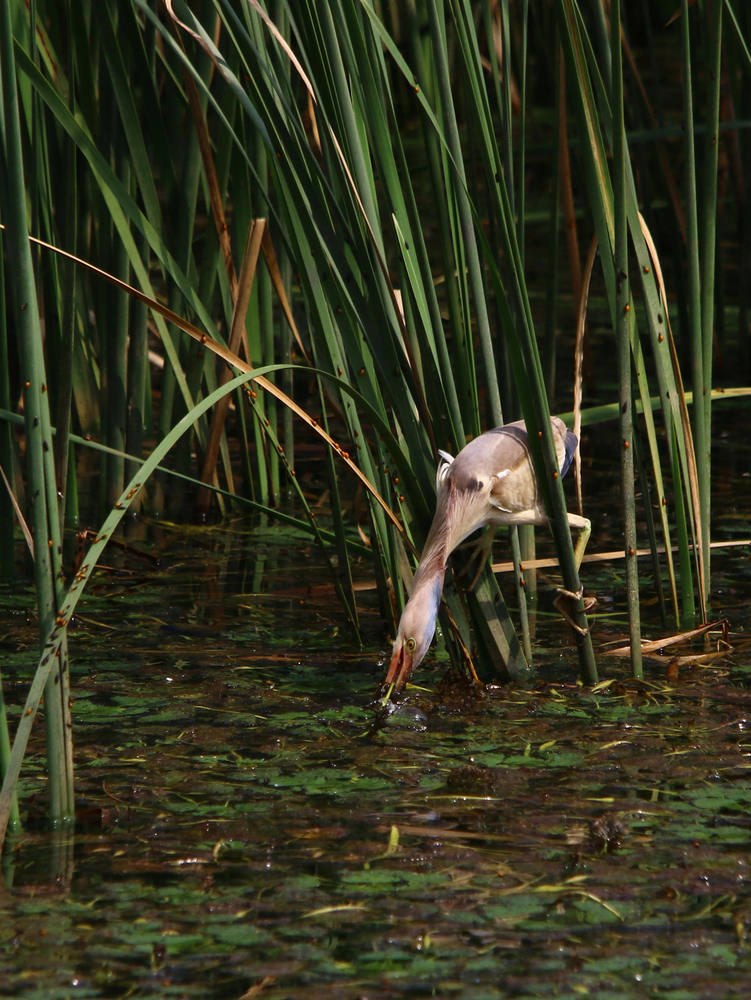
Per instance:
(575,596)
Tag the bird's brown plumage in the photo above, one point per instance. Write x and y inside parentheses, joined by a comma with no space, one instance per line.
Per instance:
(491,481)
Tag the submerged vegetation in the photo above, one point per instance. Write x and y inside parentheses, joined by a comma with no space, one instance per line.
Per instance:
(236,231)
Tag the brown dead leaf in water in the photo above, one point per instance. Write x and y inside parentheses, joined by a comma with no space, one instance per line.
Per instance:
(654,647)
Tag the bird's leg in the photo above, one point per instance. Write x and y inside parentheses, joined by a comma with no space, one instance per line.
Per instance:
(584,527)
(560,605)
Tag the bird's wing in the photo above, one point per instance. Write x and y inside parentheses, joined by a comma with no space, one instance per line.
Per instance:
(513,486)
(495,493)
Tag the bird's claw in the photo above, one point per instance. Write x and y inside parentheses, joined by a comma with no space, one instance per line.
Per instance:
(575,596)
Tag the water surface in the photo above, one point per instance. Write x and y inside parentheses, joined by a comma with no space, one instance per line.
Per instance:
(245,830)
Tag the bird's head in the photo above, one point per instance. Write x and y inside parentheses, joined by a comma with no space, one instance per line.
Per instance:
(415,633)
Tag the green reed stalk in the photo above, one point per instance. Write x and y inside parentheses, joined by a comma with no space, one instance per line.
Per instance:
(702,374)
(7,451)
(623,323)
(701,431)
(522,538)
(115,357)
(7,514)
(14,813)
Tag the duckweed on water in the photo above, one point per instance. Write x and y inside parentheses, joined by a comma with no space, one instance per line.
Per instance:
(246,830)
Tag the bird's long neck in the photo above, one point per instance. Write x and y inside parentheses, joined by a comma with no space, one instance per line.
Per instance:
(427,585)
(452,522)
(436,551)
(428,581)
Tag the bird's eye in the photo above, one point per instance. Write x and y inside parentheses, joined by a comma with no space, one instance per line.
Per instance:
(411,644)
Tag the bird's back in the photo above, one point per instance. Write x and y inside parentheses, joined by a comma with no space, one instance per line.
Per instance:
(499,464)
(500,451)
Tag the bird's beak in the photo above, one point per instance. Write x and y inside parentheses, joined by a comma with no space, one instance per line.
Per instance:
(399,670)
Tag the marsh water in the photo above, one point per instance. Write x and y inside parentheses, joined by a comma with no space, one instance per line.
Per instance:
(245,829)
